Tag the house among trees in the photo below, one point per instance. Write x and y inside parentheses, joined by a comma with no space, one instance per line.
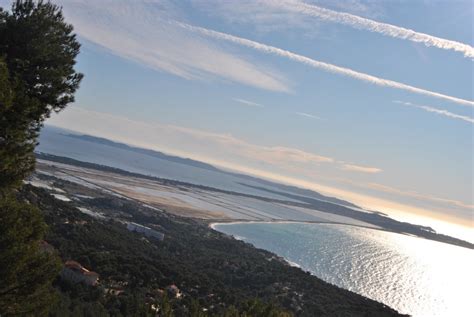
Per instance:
(148,232)
(173,291)
(76,273)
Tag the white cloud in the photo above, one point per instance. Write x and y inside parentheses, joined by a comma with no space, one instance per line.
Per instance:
(360,7)
(437,111)
(261,17)
(412,202)
(307,115)
(322,65)
(264,17)
(361,169)
(282,154)
(417,195)
(248,103)
(140,31)
(296,6)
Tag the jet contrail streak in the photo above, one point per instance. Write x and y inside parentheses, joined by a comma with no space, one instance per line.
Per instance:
(321,65)
(373,26)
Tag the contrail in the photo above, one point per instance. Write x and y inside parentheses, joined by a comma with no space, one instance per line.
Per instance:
(321,65)
(307,115)
(248,103)
(374,26)
(437,111)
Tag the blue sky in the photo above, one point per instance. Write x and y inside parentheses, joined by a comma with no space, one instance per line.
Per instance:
(240,84)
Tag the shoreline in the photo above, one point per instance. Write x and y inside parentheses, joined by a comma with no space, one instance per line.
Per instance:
(213,224)
(287,261)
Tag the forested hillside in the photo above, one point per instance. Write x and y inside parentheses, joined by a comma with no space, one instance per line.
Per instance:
(215,274)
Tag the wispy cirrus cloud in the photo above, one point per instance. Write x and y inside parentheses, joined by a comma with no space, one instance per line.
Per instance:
(418,195)
(140,31)
(441,112)
(322,65)
(266,17)
(296,6)
(307,115)
(359,168)
(428,203)
(248,103)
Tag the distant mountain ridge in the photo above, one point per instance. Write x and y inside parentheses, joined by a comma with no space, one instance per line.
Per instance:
(153,153)
(295,190)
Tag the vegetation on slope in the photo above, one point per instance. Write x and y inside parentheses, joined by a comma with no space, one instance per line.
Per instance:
(214,272)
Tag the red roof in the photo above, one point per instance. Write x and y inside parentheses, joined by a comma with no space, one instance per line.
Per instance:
(76,266)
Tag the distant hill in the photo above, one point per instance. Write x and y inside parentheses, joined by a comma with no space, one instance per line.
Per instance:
(294,190)
(157,154)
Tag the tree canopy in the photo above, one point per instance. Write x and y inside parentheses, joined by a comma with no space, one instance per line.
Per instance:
(26,271)
(37,76)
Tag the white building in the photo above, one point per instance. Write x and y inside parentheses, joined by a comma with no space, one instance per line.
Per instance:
(148,232)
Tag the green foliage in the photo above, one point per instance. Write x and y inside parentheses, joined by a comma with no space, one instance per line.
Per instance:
(26,271)
(251,308)
(6,93)
(16,153)
(37,76)
(256,308)
(165,308)
(40,51)
(196,310)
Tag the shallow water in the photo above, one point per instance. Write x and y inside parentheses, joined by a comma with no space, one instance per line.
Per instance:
(413,275)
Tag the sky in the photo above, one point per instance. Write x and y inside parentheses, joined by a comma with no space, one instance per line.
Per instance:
(370,101)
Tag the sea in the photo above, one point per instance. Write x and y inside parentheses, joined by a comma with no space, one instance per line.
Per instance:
(415,276)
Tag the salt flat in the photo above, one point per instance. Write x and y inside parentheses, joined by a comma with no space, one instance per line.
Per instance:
(190,201)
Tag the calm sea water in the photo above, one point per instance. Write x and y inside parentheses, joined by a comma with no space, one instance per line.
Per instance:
(413,275)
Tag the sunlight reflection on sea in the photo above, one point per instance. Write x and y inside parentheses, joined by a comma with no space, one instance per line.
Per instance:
(413,275)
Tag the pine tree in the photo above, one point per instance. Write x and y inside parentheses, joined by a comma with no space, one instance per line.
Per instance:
(26,271)
(166,310)
(39,51)
(16,149)
(37,77)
